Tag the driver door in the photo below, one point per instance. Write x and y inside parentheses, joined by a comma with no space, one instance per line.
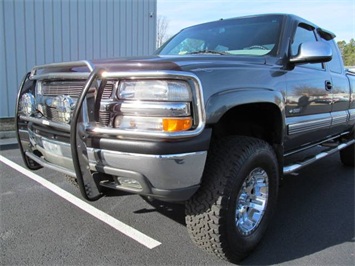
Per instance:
(308,98)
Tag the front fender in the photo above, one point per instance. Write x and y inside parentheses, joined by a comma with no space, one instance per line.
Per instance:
(218,104)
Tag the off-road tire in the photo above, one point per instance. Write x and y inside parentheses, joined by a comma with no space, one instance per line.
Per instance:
(211,212)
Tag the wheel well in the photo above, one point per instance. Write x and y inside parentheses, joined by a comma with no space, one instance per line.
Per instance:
(259,120)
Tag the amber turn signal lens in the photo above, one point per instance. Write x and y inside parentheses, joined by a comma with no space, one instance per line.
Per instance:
(177,124)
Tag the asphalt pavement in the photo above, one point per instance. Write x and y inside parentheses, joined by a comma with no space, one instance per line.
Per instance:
(313,225)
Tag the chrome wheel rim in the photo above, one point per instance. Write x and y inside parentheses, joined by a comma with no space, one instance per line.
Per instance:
(252,201)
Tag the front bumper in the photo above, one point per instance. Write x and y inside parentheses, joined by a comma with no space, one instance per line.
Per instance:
(168,176)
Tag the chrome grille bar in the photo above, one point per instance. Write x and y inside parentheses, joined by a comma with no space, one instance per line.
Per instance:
(71,88)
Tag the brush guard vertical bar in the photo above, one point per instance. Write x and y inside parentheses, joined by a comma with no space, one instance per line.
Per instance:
(87,181)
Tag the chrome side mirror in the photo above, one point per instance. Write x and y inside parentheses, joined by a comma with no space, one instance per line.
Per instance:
(312,52)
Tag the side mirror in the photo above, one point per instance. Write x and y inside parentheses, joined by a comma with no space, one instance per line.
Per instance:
(312,52)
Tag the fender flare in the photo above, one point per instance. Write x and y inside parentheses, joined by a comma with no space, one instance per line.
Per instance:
(220,103)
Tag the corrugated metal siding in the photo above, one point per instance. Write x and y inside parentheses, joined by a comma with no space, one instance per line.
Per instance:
(34,32)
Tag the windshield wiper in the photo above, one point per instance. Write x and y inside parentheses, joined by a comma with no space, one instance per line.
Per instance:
(208,52)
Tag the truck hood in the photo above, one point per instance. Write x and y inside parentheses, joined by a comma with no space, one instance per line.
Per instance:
(179,63)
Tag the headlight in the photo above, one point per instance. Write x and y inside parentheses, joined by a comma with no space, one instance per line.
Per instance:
(154,105)
(164,90)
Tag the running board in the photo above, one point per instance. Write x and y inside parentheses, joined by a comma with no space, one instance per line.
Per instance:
(294,167)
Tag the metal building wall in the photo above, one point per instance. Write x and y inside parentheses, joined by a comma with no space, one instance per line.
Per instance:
(34,32)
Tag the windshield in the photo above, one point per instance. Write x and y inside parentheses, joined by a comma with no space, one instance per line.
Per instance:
(256,36)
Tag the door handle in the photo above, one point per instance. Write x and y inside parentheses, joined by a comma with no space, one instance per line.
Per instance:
(328,85)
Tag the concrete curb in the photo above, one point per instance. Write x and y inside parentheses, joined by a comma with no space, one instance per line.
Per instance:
(8,138)
(7,134)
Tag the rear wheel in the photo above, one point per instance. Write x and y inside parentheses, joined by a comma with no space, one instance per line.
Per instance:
(230,213)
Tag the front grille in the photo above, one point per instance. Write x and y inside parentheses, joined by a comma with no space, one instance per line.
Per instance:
(107,91)
(55,88)
(53,92)
(104,118)
(52,114)
(71,88)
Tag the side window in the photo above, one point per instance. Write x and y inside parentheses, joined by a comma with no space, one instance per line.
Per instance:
(304,35)
(335,65)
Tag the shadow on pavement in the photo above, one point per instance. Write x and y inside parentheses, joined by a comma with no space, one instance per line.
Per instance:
(6,147)
(174,211)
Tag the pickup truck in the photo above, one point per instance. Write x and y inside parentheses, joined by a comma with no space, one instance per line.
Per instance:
(212,120)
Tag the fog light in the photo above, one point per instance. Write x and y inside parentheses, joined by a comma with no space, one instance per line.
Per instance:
(129,183)
(27,104)
(65,106)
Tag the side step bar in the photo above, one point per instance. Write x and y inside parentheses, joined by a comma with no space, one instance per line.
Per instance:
(294,167)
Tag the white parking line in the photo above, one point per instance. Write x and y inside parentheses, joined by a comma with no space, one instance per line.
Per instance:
(118,225)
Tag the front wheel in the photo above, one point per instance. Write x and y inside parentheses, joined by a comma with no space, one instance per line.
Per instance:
(230,213)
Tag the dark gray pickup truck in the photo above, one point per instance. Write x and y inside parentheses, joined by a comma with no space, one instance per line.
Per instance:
(213,120)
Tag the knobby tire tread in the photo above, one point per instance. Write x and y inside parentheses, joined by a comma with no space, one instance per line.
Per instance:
(205,212)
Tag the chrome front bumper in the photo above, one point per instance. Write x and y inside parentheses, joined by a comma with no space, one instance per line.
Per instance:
(154,173)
